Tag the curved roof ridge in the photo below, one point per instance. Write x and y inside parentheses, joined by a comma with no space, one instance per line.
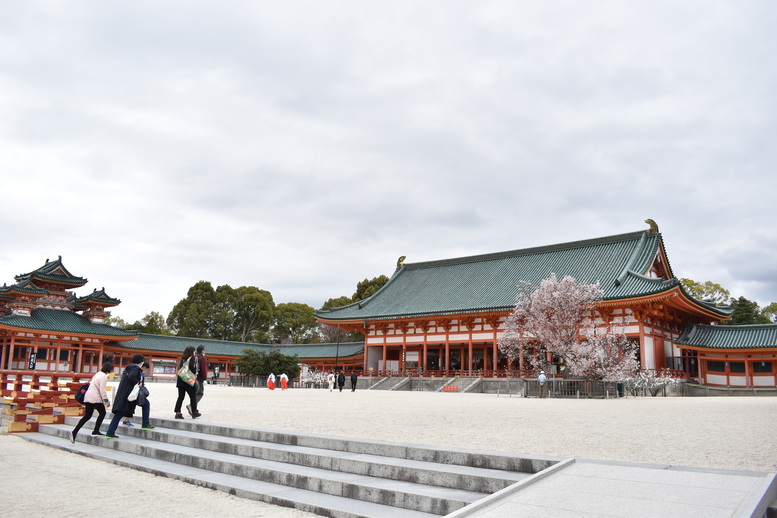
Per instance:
(363,302)
(724,310)
(630,261)
(525,251)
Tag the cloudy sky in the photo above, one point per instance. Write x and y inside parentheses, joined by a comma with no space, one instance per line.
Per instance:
(302,146)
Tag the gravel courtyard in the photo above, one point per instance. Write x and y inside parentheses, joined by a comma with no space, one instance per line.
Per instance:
(734,433)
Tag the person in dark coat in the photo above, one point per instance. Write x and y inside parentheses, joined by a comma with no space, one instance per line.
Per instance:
(184,388)
(141,402)
(341,380)
(121,405)
(354,379)
(202,371)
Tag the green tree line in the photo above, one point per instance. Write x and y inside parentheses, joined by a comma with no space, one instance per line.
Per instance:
(745,311)
(247,314)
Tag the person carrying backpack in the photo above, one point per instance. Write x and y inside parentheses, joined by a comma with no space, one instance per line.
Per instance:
(96,398)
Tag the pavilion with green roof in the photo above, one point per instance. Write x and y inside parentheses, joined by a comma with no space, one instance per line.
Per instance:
(446,315)
(733,356)
(45,326)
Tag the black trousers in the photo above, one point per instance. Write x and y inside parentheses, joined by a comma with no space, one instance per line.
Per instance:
(90,408)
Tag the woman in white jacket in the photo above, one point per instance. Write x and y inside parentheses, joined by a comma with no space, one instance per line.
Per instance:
(96,398)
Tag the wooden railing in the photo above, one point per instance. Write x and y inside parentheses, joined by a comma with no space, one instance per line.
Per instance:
(37,397)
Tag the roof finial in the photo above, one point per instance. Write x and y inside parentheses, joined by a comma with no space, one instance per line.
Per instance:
(653,226)
(400,262)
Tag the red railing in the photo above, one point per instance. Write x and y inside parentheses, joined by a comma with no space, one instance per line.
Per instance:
(36,397)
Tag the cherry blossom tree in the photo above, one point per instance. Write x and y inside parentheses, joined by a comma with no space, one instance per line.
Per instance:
(558,318)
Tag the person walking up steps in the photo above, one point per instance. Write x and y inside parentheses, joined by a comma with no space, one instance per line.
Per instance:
(202,372)
(202,375)
(184,388)
(121,403)
(96,398)
(142,402)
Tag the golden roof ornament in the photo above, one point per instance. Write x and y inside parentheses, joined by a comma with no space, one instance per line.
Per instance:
(400,262)
(653,226)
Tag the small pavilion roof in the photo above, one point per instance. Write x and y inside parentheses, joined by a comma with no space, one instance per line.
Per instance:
(98,296)
(53,271)
(26,286)
(489,283)
(698,336)
(62,321)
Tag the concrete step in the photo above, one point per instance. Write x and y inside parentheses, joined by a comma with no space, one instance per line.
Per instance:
(276,494)
(207,455)
(322,474)
(446,475)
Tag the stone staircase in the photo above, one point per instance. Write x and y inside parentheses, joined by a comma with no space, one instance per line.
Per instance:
(325,475)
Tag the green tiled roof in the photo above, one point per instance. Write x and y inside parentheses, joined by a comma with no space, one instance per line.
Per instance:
(343,350)
(489,282)
(98,296)
(25,286)
(62,321)
(53,271)
(763,336)
(177,344)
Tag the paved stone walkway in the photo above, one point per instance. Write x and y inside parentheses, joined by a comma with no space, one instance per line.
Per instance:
(606,489)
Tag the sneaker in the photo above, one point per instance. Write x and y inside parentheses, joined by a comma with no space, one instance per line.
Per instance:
(72,437)
(127,423)
(189,409)
(178,415)
(97,433)
(195,415)
(111,436)
(149,427)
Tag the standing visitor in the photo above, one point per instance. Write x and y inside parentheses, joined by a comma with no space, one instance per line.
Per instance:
(121,404)
(354,379)
(341,380)
(284,381)
(542,379)
(96,398)
(202,372)
(330,379)
(184,388)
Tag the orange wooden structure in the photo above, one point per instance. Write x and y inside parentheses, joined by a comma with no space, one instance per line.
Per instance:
(447,315)
(39,397)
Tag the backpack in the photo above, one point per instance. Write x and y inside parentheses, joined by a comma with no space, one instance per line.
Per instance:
(81,392)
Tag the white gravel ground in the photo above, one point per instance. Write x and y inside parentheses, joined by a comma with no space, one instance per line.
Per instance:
(736,433)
